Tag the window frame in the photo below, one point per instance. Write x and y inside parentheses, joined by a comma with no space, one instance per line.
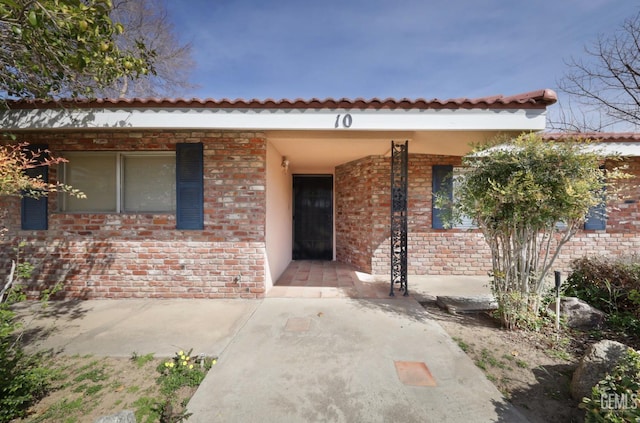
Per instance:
(444,179)
(119,157)
(457,173)
(597,216)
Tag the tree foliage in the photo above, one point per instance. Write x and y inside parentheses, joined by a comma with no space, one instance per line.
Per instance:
(528,197)
(147,20)
(608,78)
(17,162)
(48,48)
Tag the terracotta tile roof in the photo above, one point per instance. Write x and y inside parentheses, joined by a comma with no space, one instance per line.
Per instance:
(530,100)
(595,136)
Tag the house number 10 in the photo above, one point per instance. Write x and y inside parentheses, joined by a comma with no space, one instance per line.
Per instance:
(346,121)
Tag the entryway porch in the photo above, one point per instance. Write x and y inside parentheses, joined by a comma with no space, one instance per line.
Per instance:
(327,279)
(332,279)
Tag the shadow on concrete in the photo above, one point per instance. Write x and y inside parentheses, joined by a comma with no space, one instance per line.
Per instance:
(67,309)
(477,319)
(417,305)
(398,306)
(39,320)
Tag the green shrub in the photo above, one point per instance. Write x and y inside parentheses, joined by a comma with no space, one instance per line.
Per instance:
(615,398)
(611,285)
(182,370)
(23,380)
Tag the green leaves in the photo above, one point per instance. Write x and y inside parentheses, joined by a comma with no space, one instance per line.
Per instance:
(54,47)
(615,398)
(531,182)
(528,196)
(33,20)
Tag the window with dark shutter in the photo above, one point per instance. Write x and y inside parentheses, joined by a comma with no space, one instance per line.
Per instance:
(33,215)
(597,217)
(442,182)
(189,186)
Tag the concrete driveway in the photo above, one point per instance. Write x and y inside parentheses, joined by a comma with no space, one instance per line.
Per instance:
(313,358)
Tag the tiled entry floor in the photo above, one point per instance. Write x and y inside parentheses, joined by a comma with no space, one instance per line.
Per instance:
(327,279)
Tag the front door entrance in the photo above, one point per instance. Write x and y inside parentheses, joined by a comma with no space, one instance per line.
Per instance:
(312,217)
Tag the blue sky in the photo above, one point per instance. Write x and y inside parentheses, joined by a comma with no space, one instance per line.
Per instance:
(375,48)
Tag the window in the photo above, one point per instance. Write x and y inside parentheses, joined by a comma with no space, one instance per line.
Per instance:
(466,222)
(33,211)
(441,182)
(597,217)
(446,178)
(121,182)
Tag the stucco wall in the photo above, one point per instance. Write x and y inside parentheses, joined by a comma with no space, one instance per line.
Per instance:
(118,255)
(278,217)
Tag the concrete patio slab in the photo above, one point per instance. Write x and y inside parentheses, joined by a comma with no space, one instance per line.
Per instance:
(117,328)
(428,287)
(339,354)
(342,368)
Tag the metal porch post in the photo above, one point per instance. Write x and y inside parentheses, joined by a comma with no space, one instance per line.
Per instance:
(399,185)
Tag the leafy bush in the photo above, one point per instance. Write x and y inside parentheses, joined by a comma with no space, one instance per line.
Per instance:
(611,285)
(23,380)
(615,398)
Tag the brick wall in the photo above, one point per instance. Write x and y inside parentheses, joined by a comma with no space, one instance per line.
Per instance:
(108,255)
(362,223)
(143,255)
(357,217)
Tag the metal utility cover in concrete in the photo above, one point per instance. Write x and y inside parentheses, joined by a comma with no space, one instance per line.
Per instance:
(414,373)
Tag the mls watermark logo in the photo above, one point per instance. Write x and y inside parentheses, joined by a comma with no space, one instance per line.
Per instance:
(619,401)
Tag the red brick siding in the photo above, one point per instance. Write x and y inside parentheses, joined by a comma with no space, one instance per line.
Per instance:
(625,217)
(362,226)
(622,233)
(353,213)
(143,255)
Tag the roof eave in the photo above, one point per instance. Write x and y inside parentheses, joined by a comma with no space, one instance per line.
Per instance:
(539,99)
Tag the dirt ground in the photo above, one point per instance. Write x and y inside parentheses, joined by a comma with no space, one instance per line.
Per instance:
(532,370)
(89,387)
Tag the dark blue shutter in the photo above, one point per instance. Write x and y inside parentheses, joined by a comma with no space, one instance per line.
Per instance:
(442,182)
(189,186)
(33,215)
(596,219)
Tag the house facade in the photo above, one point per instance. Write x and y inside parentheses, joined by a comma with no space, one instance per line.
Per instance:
(214,199)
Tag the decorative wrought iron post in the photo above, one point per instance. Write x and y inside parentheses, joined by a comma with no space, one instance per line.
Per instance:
(399,183)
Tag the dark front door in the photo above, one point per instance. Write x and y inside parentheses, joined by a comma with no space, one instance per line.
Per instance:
(312,217)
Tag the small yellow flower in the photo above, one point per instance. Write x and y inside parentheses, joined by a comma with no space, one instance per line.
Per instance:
(213,363)
(184,363)
(191,366)
(166,364)
(188,358)
(171,364)
(181,353)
